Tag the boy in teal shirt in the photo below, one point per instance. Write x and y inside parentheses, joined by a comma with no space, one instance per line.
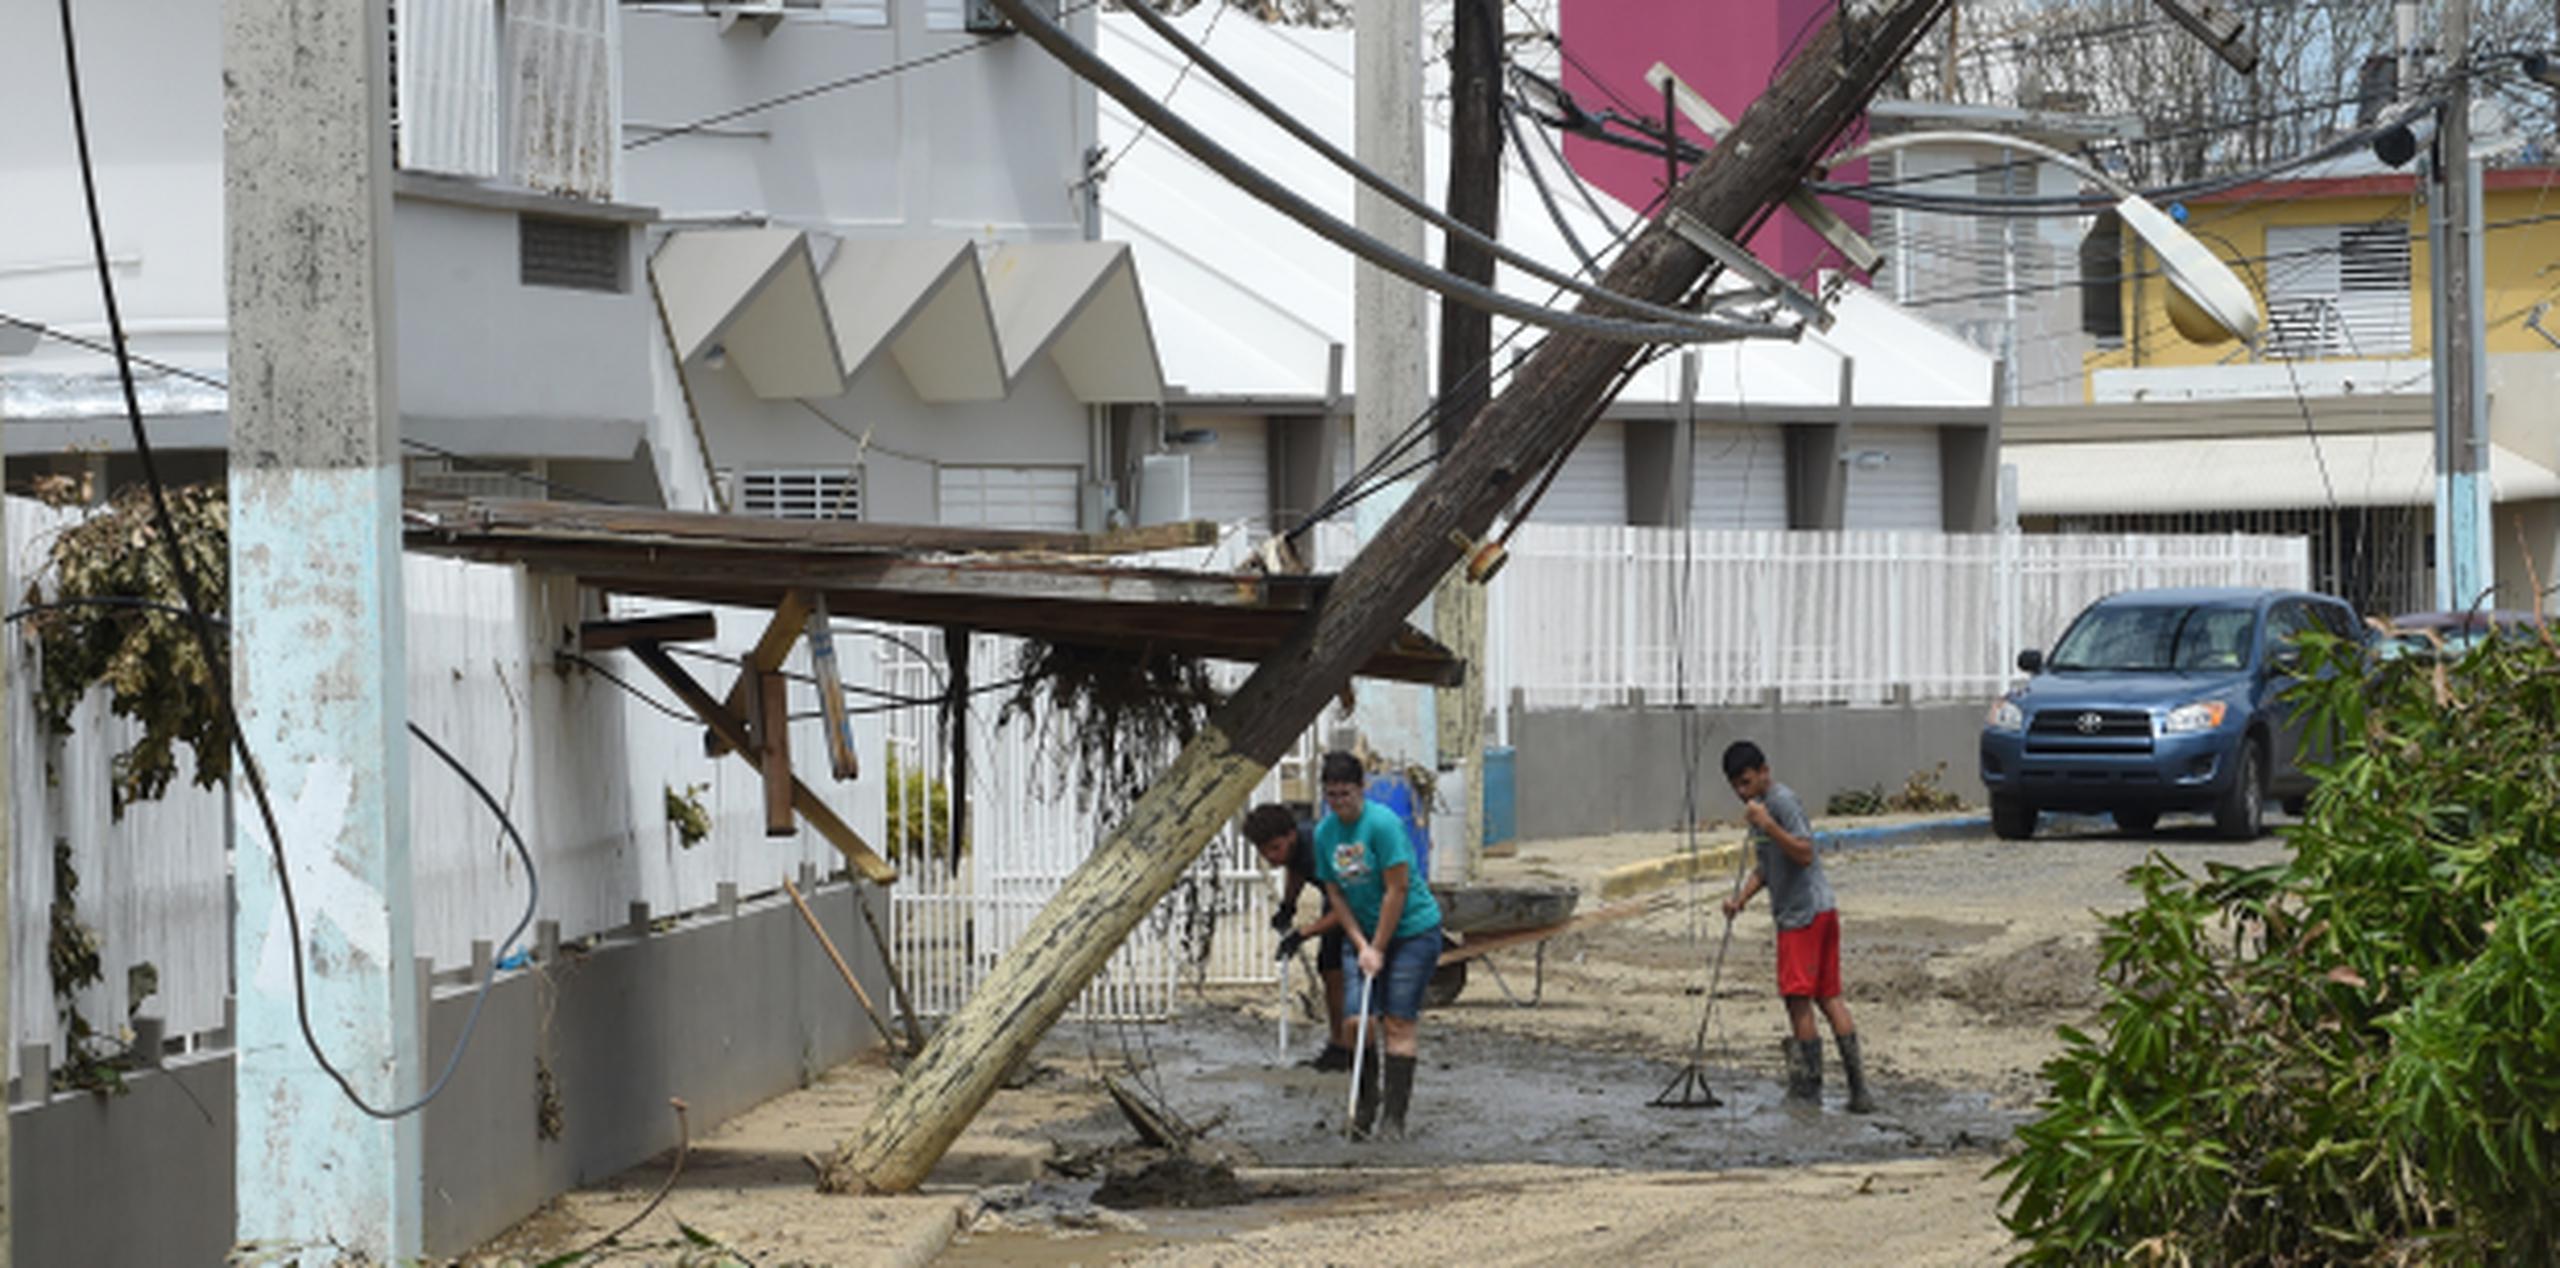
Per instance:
(1366,865)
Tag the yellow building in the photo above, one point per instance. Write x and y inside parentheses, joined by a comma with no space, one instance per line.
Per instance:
(2325,428)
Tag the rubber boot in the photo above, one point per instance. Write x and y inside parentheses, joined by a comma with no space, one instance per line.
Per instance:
(1364,1117)
(1854,1068)
(1399,1096)
(1804,1073)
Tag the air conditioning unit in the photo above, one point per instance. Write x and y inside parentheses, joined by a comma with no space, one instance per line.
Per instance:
(981,17)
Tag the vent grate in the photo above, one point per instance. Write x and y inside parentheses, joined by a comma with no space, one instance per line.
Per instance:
(802,494)
(576,254)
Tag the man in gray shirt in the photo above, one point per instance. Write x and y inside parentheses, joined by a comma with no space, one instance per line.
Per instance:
(1781,838)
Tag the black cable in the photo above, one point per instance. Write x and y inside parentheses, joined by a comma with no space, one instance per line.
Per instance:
(181,372)
(216,667)
(597,667)
(532,879)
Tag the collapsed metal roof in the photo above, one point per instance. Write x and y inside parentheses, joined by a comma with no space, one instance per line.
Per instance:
(1058,587)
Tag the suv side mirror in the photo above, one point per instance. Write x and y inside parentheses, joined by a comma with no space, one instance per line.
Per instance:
(2287,661)
(2030,660)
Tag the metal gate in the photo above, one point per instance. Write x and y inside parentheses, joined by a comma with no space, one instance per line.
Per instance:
(1031,820)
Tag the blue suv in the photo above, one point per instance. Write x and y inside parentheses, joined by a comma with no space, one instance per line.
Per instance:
(2159,700)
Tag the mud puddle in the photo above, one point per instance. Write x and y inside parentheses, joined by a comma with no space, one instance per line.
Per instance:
(1484,1097)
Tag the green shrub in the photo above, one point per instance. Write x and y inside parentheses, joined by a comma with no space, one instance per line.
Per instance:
(2353,1056)
(918,804)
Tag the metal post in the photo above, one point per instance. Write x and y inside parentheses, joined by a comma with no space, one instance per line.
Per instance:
(316,636)
(2466,560)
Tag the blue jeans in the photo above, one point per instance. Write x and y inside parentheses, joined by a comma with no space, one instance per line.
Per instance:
(1410,963)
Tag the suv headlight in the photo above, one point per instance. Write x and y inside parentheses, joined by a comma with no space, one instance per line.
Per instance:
(2006,716)
(2203,715)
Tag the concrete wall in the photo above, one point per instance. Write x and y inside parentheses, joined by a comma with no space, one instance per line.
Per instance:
(489,365)
(1590,772)
(723,1012)
(987,144)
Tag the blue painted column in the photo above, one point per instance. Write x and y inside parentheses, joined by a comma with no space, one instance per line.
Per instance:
(316,635)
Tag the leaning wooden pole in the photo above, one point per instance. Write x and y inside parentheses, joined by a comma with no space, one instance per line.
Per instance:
(1527,427)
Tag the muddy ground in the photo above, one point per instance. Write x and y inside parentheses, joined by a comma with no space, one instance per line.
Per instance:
(1533,1141)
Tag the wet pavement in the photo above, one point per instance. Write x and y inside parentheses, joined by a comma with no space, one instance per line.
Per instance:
(1490,1098)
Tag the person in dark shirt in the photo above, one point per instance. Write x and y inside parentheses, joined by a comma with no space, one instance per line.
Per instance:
(1288,843)
(1781,838)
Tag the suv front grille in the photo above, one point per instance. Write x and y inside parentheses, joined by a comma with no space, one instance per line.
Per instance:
(2089,731)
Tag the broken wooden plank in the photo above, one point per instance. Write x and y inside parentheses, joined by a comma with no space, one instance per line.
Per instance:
(841,757)
(510,517)
(857,852)
(771,693)
(675,627)
(789,618)
(836,958)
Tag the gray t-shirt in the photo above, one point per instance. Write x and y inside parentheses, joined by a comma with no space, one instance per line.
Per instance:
(1797,893)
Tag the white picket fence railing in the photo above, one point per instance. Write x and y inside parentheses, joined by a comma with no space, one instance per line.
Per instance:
(1589,617)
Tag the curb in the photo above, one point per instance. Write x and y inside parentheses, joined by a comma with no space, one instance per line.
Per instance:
(1716,860)
(1925,831)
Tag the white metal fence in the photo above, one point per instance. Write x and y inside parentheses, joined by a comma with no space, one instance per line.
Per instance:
(1588,617)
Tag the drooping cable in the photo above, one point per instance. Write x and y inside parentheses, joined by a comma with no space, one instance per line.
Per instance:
(1391,191)
(1093,69)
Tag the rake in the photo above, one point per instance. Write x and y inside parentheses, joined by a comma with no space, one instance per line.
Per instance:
(1688,1089)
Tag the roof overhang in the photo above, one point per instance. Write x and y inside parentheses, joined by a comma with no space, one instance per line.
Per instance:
(960,323)
(2251,473)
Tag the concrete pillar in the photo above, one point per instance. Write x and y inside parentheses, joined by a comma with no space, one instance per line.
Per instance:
(1388,325)
(316,634)
(8,864)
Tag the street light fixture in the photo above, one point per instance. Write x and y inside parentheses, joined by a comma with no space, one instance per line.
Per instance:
(2208,303)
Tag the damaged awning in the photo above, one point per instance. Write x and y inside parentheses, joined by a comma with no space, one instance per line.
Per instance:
(2250,473)
(801,315)
(1058,587)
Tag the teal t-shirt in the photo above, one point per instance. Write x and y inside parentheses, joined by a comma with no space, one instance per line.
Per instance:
(1355,857)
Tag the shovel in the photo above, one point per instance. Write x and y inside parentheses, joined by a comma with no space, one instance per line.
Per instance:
(1286,963)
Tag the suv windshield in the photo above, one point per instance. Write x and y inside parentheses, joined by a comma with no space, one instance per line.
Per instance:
(2185,637)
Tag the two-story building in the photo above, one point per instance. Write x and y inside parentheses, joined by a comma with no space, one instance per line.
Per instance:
(2327,428)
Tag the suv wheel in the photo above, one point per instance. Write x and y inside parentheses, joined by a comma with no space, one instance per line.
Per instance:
(2241,813)
(2136,823)
(2012,819)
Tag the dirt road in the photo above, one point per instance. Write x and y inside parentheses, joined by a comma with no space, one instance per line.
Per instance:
(1532,1140)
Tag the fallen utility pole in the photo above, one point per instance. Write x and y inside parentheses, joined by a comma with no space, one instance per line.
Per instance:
(1524,430)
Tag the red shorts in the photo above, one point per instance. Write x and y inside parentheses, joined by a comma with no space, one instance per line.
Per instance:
(1809,958)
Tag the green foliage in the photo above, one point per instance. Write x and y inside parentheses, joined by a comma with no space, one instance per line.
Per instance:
(1855,803)
(150,663)
(1924,792)
(687,815)
(72,955)
(2353,1056)
(919,812)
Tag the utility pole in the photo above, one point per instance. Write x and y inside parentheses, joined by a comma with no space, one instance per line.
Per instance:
(1388,323)
(317,650)
(2466,555)
(1530,425)
(1466,384)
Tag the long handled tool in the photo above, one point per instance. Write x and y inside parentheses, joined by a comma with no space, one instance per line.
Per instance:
(1287,962)
(1688,1089)
(1359,1052)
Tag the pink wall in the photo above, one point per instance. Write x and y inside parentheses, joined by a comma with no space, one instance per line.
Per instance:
(1728,50)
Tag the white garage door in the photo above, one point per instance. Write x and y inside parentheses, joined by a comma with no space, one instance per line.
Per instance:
(1592,488)
(1893,479)
(1231,480)
(1739,479)
(1010,497)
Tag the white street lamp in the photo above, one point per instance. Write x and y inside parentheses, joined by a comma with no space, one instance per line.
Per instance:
(2208,303)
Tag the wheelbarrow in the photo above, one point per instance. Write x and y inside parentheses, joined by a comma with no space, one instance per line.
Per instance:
(1487,917)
